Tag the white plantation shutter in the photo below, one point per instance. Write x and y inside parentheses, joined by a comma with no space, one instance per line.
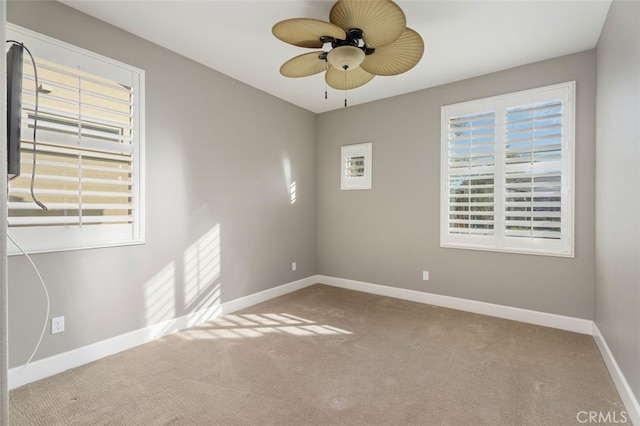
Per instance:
(507,172)
(533,171)
(88,152)
(471,152)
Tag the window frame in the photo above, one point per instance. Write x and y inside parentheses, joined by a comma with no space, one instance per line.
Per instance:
(44,239)
(499,242)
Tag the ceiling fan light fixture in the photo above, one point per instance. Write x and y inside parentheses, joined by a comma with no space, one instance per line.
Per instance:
(345,57)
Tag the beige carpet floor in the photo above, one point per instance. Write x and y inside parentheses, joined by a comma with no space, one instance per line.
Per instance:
(329,356)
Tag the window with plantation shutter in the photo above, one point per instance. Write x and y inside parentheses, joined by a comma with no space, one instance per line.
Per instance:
(507,172)
(88,150)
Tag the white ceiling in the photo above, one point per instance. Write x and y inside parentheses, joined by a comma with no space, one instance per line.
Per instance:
(462,39)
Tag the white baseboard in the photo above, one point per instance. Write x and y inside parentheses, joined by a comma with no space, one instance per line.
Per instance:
(523,315)
(263,296)
(626,394)
(43,368)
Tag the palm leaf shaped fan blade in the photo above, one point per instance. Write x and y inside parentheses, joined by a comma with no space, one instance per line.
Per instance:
(305,65)
(382,22)
(346,80)
(396,58)
(306,32)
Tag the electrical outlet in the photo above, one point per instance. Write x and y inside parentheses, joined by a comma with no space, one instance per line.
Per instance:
(57,325)
(425,275)
(293,266)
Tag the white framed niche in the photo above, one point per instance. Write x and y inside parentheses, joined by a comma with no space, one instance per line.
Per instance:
(355,169)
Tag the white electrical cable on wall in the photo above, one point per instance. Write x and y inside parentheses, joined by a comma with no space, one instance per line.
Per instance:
(46,293)
(5,365)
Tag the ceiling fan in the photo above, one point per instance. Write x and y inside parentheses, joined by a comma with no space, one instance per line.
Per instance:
(367,38)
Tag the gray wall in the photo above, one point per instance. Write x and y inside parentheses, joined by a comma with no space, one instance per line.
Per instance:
(617,205)
(218,153)
(389,234)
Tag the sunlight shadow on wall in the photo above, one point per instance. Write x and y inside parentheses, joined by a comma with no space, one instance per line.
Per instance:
(288,179)
(201,269)
(286,170)
(207,307)
(292,192)
(254,325)
(160,295)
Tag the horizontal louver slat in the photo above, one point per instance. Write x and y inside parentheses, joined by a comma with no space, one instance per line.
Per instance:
(66,220)
(536,224)
(540,148)
(87,152)
(27,162)
(533,233)
(62,192)
(56,178)
(48,126)
(527,215)
(69,206)
(470,230)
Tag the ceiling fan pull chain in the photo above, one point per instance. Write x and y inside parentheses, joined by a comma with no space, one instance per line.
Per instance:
(345,85)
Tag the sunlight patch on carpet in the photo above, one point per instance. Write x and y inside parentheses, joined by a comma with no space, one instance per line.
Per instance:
(257,325)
